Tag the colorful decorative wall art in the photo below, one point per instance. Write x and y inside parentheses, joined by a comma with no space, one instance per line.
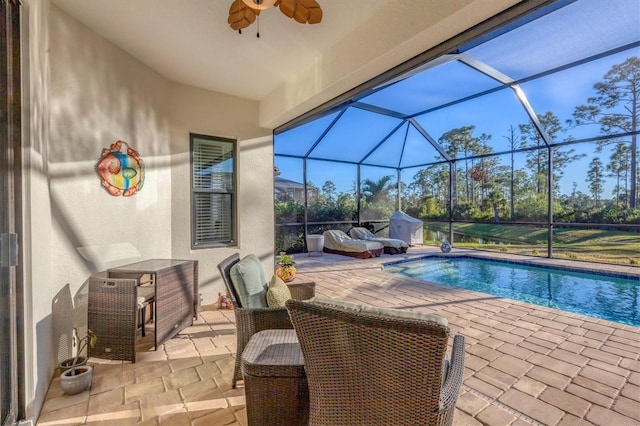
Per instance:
(121,173)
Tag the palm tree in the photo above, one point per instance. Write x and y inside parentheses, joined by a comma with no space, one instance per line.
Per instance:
(373,189)
(376,202)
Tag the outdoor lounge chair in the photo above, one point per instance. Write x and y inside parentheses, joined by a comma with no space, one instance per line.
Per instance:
(251,320)
(391,245)
(338,242)
(373,366)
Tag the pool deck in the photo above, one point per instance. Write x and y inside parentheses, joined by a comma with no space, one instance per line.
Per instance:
(525,364)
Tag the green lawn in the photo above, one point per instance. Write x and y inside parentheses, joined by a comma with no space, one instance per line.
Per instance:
(582,244)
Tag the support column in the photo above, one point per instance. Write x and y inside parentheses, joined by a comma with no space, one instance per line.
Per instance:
(452,177)
(399,185)
(550,203)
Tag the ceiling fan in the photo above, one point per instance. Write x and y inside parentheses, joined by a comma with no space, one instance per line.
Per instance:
(243,13)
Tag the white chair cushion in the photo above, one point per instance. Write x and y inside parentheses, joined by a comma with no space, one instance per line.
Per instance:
(250,282)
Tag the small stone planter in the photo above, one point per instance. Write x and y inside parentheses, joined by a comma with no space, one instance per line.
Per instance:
(76,380)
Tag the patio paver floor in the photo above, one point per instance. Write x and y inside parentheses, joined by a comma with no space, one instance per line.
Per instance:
(525,364)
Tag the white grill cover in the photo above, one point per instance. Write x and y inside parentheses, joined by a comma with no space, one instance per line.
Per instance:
(405,228)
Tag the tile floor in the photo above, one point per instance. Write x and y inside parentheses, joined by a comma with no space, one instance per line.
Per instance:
(525,365)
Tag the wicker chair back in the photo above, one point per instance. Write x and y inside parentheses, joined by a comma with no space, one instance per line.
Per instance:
(225,271)
(363,369)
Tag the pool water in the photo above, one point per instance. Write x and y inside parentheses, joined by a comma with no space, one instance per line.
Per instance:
(601,296)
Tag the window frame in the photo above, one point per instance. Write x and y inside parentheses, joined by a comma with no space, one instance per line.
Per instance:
(233,192)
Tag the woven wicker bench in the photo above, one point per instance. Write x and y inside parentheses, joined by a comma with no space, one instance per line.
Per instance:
(275,383)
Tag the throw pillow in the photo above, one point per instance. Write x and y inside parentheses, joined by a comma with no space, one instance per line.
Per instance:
(278,292)
(250,282)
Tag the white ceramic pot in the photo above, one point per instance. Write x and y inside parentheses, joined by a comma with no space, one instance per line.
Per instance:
(315,244)
(72,384)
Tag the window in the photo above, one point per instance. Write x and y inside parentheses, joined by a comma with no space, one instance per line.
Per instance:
(213,191)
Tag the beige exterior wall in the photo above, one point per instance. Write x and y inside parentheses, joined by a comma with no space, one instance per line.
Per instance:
(197,111)
(85,94)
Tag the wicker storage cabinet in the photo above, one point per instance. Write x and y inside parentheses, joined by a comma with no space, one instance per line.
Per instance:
(113,308)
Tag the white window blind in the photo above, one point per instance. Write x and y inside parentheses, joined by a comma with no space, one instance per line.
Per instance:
(213,191)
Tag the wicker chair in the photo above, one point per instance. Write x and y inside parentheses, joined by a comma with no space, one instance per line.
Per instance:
(250,321)
(112,314)
(367,369)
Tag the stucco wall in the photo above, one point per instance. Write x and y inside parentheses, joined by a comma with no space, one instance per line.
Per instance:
(37,239)
(85,94)
(209,113)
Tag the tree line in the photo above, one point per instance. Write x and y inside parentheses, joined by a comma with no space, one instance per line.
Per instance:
(487,187)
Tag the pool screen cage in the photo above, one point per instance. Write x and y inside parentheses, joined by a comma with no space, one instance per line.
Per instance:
(518,135)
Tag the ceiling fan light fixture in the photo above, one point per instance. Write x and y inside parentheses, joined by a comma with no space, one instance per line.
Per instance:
(243,13)
(259,4)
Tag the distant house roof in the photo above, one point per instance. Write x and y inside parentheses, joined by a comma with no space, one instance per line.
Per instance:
(284,185)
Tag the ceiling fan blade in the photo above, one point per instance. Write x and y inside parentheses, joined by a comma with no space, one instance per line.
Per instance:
(303,11)
(241,16)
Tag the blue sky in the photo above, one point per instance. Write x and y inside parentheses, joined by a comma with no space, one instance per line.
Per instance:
(579,30)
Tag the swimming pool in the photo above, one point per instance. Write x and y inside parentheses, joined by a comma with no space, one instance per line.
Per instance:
(593,294)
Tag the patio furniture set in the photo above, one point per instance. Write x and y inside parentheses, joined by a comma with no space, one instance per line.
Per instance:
(311,360)
(118,299)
